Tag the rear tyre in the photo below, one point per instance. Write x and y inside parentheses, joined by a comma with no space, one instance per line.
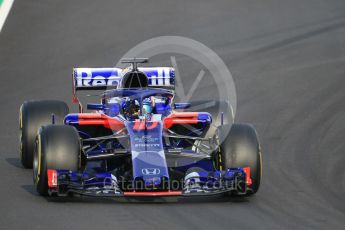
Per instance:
(33,115)
(57,147)
(239,148)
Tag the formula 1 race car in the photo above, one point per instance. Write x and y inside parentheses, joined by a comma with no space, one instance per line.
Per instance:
(136,142)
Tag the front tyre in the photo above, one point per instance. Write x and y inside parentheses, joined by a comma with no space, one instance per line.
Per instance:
(239,148)
(57,147)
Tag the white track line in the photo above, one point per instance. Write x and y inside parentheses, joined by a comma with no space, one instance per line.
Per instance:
(4,10)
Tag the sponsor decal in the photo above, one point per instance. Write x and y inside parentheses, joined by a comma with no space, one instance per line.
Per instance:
(146,141)
(147,145)
(150,171)
(93,77)
(86,77)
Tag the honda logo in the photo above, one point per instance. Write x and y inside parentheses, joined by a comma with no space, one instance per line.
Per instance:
(150,171)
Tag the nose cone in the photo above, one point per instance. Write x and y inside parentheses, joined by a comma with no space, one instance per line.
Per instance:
(152,182)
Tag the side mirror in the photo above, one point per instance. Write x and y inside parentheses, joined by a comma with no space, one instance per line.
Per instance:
(95,106)
(182,105)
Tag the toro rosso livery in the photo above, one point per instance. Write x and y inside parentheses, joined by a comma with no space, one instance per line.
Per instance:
(137,141)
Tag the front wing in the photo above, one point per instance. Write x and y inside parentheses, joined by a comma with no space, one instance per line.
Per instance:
(64,182)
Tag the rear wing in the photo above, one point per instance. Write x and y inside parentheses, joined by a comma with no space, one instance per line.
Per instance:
(107,78)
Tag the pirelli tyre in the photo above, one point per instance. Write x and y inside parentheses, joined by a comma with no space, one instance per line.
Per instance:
(239,147)
(57,147)
(33,115)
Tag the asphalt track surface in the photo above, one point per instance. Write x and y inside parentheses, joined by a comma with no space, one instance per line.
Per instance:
(288,62)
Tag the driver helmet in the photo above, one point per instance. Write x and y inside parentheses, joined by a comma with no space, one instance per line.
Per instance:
(147,106)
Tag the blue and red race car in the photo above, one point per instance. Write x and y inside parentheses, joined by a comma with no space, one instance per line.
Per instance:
(136,142)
